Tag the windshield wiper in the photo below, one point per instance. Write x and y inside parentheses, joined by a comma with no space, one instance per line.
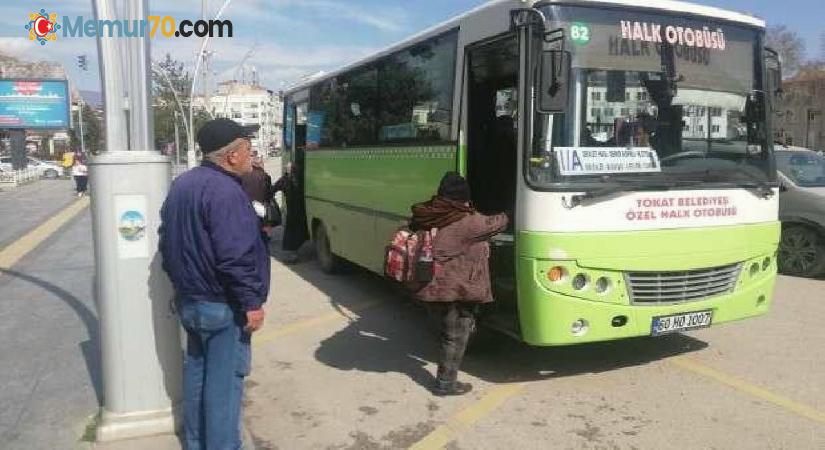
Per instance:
(624,186)
(756,186)
(759,188)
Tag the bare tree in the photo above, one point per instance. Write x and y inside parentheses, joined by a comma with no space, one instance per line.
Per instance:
(790,46)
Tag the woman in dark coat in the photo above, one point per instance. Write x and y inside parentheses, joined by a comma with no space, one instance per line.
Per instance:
(258,186)
(461,278)
(295,228)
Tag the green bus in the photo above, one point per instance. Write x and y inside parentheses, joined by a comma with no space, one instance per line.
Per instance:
(632,144)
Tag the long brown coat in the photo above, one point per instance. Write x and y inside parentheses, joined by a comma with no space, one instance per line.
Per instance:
(461,255)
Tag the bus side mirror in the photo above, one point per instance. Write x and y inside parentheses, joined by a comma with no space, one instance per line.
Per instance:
(773,74)
(554,76)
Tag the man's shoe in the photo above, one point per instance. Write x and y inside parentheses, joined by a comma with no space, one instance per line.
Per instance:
(443,389)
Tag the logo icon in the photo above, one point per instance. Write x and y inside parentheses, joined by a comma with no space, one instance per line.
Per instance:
(132,226)
(42,26)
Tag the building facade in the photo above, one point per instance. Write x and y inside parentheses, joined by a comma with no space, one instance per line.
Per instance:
(249,104)
(800,117)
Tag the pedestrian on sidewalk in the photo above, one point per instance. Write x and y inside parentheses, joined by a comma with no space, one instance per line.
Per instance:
(80,172)
(218,263)
(461,279)
(295,229)
(258,186)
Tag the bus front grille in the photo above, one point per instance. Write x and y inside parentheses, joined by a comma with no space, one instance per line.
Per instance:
(648,288)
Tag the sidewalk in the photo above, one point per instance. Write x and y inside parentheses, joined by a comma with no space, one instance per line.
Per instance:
(52,378)
(27,206)
(164,442)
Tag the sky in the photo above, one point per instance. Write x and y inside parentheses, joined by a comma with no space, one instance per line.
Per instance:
(286,39)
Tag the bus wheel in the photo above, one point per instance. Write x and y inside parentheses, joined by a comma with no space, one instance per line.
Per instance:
(330,262)
(801,252)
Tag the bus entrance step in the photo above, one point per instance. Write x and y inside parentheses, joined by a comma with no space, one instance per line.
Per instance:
(505,322)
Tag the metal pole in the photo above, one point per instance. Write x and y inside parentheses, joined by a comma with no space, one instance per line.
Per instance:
(808,129)
(203,49)
(190,152)
(177,143)
(80,122)
(142,130)
(111,78)
(139,334)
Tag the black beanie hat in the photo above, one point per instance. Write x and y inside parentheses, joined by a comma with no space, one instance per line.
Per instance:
(454,187)
(218,133)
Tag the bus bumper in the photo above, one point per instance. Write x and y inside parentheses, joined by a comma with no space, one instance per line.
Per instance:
(547,317)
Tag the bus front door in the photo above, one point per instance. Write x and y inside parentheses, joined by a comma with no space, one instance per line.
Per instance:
(492,152)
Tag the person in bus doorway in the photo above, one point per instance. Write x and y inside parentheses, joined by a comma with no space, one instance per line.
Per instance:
(295,227)
(80,172)
(258,186)
(461,279)
(215,257)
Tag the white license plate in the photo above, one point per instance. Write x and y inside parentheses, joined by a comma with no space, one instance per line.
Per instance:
(680,322)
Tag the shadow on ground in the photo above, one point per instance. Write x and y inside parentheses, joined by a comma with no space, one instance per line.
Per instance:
(90,348)
(393,334)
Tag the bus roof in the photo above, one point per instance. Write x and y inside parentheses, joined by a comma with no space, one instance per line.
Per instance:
(656,5)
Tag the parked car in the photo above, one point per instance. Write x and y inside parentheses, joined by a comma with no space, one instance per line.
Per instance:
(47,169)
(802,211)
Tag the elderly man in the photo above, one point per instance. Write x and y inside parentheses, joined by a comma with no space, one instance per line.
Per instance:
(213,252)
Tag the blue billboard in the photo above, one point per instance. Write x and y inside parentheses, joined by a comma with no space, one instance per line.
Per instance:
(34,104)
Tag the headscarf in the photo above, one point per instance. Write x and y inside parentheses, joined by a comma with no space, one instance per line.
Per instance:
(438,212)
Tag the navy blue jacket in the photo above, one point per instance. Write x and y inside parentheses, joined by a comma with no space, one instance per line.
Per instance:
(210,239)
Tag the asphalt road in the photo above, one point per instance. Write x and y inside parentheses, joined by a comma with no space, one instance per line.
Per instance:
(49,353)
(344,362)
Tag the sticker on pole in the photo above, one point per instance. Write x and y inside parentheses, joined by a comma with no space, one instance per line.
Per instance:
(130,216)
(574,161)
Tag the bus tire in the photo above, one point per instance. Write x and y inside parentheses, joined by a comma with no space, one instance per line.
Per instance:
(801,251)
(330,262)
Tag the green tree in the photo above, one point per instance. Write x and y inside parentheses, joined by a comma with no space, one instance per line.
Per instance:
(171,85)
(93,137)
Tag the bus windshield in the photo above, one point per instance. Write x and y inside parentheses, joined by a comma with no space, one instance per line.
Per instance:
(655,98)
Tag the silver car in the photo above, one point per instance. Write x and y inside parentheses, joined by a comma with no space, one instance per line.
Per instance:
(46,169)
(802,211)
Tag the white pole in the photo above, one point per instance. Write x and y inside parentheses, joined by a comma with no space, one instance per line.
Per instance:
(190,152)
(111,80)
(177,143)
(141,356)
(80,122)
(142,133)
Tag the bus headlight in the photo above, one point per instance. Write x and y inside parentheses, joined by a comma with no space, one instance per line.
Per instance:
(579,327)
(766,263)
(557,274)
(602,285)
(580,281)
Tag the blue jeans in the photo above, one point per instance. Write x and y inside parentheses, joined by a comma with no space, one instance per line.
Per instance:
(217,360)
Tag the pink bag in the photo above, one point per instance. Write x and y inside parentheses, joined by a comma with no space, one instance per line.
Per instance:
(409,257)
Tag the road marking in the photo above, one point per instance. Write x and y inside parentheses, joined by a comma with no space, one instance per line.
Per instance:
(467,417)
(800,409)
(342,313)
(15,251)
